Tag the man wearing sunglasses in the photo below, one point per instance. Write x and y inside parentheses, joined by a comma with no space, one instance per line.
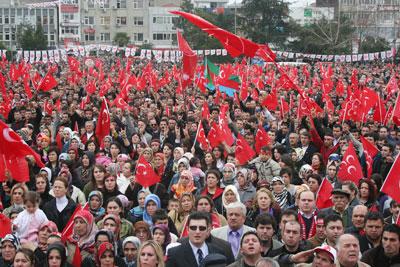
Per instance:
(193,251)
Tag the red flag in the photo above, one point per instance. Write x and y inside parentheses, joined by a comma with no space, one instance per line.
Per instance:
(6,225)
(189,60)
(27,88)
(47,83)
(145,174)
(391,185)
(103,123)
(73,63)
(14,73)
(77,259)
(90,87)
(57,105)
(47,107)
(270,101)
(339,88)
(120,103)
(350,168)
(205,111)
(13,151)
(234,44)
(262,139)
(213,135)
(370,152)
(324,195)
(392,86)
(36,80)
(226,133)
(396,110)
(243,151)
(201,138)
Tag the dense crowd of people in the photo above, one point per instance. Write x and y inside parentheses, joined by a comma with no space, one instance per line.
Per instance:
(207,208)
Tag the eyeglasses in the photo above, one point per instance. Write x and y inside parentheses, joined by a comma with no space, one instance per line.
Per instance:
(201,228)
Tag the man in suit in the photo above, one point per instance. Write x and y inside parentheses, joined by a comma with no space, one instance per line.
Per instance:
(193,251)
(307,148)
(233,232)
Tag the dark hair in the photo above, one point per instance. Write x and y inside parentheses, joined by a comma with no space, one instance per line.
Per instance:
(392,228)
(28,254)
(249,233)
(392,203)
(116,200)
(215,172)
(321,216)
(289,212)
(265,219)
(101,168)
(378,179)
(159,214)
(193,161)
(373,216)
(352,186)
(315,177)
(206,197)
(371,189)
(197,215)
(286,170)
(332,218)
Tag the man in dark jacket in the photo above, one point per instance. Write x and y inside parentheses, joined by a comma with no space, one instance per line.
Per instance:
(386,254)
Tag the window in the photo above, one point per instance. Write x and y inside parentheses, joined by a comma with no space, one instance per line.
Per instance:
(51,19)
(121,20)
(89,37)
(1,19)
(138,21)
(138,37)
(137,3)
(52,37)
(105,20)
(105,36)
(6,20)
(89,20)
(45,20)
(90,4)
(161,36)
(121,3)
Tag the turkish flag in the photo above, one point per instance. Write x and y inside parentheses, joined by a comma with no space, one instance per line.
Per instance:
(103,123)
(90,87)
(47,83)
(36,80)
(14,73)
(77,259)
(27,88)
(6,225)
(201,138)
(370,152)
(271,101)
(392,86)
(73,63)
(226,133)
(205,111)
(189,60)
(57,105)
(350,168)
(13,151)
(119,102)
(243,151)
(339,88)
(262,139)
(324,195)
(214,136)
(396,111)
(145,174)
(234,44)
(47,107)
(391,186)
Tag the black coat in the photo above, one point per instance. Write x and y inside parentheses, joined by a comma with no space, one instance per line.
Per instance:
(59,218)
(182,256)
(376,257)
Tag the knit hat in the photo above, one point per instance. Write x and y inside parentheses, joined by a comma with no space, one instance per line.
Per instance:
(13,239)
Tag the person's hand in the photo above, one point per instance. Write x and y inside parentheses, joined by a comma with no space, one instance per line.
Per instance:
(177,131)
(389,159)
(301,257)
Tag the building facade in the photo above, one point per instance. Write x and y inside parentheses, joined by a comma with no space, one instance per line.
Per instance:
(310,14)
(15,14)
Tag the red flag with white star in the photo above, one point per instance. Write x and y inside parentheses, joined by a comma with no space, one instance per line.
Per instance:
(145,174)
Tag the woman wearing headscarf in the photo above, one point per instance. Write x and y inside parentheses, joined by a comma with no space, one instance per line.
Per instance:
(105,256)
(246,189)
(56,256)
(95,201)
(130,247)
(151,204)
(281,194)
(183,164)
(112,223)
(137,212)
(84,171)
(228,175)
(42,187)
(184,185)
(161,235)
(44,232)
(66,139)
(159,164)
(230,195)
(142,231)
(186,206)
(84,230)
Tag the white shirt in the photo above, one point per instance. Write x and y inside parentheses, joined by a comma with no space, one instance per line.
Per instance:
(204,249)
(61,203)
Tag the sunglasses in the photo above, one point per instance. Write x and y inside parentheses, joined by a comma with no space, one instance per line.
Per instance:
(201,228)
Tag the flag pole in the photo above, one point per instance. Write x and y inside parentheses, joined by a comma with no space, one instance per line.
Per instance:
(197,133)
(395,106)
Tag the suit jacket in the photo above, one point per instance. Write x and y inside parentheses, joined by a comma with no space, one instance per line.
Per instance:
(222,232)
(218,242)
(182,256)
